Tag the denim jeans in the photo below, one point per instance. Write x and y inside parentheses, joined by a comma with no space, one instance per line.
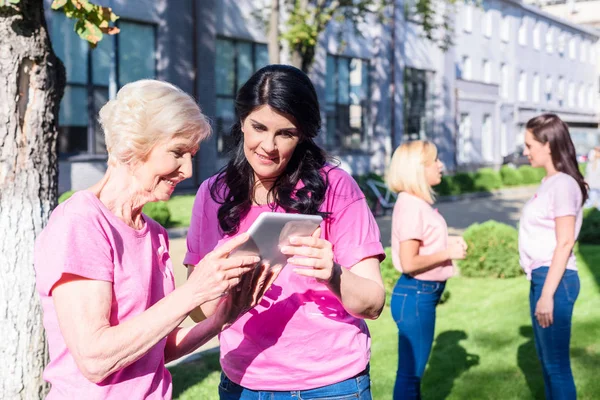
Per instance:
(552,343)
(357,388)
(413,310)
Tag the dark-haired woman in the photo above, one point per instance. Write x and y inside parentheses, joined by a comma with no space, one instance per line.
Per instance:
(548,229)
(308,338)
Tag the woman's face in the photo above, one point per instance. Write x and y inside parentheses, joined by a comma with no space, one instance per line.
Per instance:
(537,153)
(433,172)
(270,139)
(169,163)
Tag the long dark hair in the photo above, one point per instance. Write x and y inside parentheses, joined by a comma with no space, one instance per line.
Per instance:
(290,92)
(549,128)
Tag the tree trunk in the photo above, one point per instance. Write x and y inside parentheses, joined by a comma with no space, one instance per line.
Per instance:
(273,37)
(32,80)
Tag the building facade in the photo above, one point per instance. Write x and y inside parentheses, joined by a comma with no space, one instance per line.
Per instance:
(376,89)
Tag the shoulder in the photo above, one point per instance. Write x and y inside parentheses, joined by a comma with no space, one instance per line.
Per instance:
(408,200)
(563,182)
(82,206)
(340,182)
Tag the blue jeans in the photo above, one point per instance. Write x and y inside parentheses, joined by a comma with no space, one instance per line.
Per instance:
(357,388)
(552,343)
(413,310)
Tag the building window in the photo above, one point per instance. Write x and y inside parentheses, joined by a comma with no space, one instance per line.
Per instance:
(536,36)
(488,24)
(561,44)
(571,95)
(466,70)
(583,51)
(417,95)
(347,94)
(487,138)
(464,139)
(561,91)
(523,32)
(94,76)
(572,48)
(505,30)
(581,96)
(550,40)
(522,86)
(536,88)
(503,138)
(487,71)
(235,63)
(548,89)
(468,22)
(505,80)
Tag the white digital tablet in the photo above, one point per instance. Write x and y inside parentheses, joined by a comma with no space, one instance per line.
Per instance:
(271,231)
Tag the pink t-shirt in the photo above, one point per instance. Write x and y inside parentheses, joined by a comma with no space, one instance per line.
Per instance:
(84,238)
(559,195)
(415,219)
(300,336)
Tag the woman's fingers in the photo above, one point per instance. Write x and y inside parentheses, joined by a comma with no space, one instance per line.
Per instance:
(302,251)
(310,241)
(237,262)
(229,246)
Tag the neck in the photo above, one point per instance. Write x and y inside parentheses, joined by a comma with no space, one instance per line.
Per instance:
(261,189)
(550,170)
(116,191)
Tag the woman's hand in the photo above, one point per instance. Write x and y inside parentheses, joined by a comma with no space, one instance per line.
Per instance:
(217,273)
(313,252)
(544,310)
(457,248)
(247,294)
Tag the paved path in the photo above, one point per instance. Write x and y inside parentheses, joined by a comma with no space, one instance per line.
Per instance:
(504,206)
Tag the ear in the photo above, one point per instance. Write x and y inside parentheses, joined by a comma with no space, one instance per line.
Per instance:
(547,148)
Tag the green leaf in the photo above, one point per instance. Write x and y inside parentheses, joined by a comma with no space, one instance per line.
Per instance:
(56,4)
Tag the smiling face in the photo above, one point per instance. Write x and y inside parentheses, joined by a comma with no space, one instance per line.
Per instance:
(433,172)
(270,139)
(169,163)
(537,152)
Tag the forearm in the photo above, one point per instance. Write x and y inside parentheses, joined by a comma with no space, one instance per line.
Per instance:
(361,297)
(112,348)
(557,268)
(183,341)
(421,263)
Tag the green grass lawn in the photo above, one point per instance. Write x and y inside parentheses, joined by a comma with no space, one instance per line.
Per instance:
(483,349)
(181,210)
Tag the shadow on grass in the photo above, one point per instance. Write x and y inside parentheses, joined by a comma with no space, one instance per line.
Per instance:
(448,361)
(591,257)
(192,373)
(529,363)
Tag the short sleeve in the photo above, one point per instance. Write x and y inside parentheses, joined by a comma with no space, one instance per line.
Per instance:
(203,233)
(73,244)
(352,228)
(408,221)
(566,197)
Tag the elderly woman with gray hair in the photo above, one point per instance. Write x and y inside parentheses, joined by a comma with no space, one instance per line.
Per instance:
(103,271)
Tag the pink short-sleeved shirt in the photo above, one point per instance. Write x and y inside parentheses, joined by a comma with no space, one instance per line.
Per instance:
(300,336)
(559,195)
(84,238)
(415,219)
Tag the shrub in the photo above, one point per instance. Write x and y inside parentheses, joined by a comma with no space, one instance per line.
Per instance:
(511,176)
(447,187)
(65,196)
(590,228)
(159,212)
(465,181)
(487,179)
(493,251)
(531,175)
(389,274)
(582,167)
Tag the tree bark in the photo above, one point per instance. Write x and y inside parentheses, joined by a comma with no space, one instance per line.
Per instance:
(273,37)
(32,81)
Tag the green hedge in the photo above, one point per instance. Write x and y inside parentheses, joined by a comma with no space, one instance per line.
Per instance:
(65,196)
(531,175)
(493,251)
(486,179)
(511,176)
(590,228)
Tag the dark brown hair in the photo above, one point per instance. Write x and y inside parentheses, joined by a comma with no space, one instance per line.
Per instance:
(549,128)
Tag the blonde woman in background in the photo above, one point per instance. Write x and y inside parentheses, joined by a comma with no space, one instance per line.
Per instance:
(423,252)
(592,177)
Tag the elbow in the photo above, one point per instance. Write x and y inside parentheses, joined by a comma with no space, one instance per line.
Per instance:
(566,244)
(94,368)
(376,308)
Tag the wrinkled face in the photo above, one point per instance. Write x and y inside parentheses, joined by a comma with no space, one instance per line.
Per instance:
(537,153)
(433,172)
(169,163)
(270,139)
